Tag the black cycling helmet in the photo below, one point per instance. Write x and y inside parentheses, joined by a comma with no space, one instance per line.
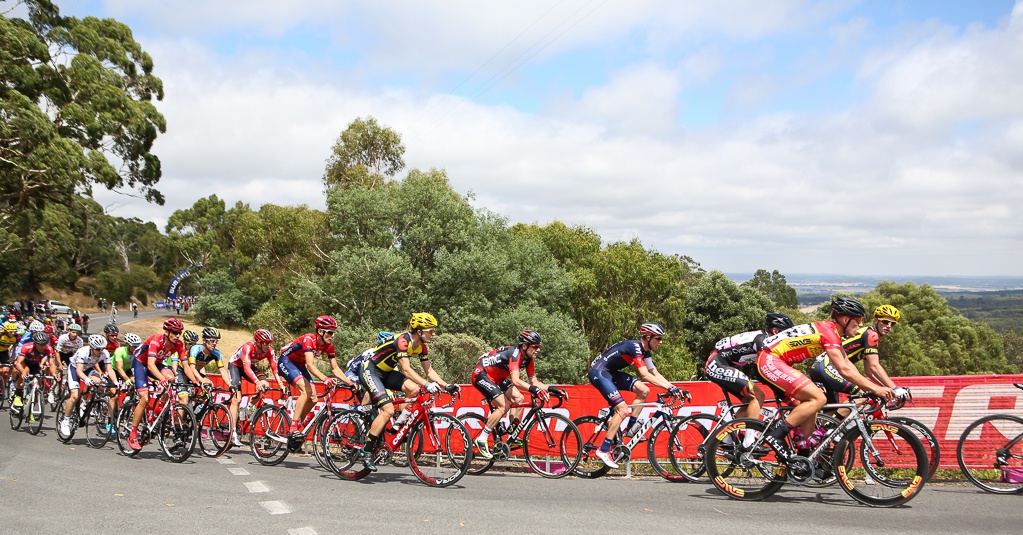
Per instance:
(40,337)
(530,337)
(779,320)
(111,328)
(847,306)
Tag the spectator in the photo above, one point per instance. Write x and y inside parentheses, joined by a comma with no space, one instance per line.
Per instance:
(85,323)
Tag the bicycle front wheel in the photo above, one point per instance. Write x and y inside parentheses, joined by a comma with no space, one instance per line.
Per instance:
(990,453)
(682,442)
(475,423)
(96,428)
(591,429)
(339,447)
(269,436)
(927,437)
(36,411)
(178,432)
(887,470)
(122,427)
(215,430)
(17,414)
(552,445)
(743,467)
(446,450)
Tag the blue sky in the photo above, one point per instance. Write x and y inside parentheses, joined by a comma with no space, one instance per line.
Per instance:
(871,138)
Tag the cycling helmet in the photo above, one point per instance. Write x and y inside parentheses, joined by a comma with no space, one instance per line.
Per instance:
(326,322)
(133,339)
(74,327)
(111,328)
(173,324)
(651,329)
(11,327)
(36,326)
(384,337)
(40,337)
(889,311)
(48,328)
(530,337)
(263,336)
(847,306)
(190,337)
(779,320)
(422,320)
(97,341)
(210,332)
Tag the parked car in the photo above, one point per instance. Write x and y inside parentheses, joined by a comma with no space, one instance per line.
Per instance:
(56,307)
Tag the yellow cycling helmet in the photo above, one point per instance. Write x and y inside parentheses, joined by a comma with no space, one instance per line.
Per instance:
(422,320)
(889,311)
(11,327)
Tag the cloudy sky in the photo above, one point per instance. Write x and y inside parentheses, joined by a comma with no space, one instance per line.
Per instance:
(863,138)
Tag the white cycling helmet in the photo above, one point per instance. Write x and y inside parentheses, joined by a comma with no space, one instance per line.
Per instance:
(36,326)
(97,341)
(133,339)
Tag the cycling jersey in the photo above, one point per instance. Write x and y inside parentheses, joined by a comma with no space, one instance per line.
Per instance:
(198,358)
(251,362)
(729,355)
(88,361)
(824,373)
(34,358)
(386,356)
(354,366)
(504,361)
(156,347)
(121,359)
(112,346)
(606,373)
(66,345)
(296,350)
(7,341)
(861,344)
(792,346)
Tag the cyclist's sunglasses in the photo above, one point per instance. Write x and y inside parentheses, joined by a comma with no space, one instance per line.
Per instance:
(887,322)
(171,332)
(326,332)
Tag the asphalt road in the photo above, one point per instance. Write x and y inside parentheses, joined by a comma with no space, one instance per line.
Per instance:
(49,487)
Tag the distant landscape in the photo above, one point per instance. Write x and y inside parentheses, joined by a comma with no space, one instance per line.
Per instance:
(997,301)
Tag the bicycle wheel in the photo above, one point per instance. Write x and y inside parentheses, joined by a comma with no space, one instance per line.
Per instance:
(743,468)
(591,429)
(990,453)
(446,450)
(36,411)
(892,475)
(122,427)
(475,423)
(684,444)
(552,445)
(17,415)
(344,436)
(4,391)
(824,463)
(215,430)
(97,420)
(268,438)
(178,433)
(53,395)
(322,421)
(927,437)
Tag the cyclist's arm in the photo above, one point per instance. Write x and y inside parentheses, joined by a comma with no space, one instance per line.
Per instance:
(431,373)
(223,372)
(151,367)
(413,375)
(337,371)
(872,368)
(310,364)
(848,370)
(657,379)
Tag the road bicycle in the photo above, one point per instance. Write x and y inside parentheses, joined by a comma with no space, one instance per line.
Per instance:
(548,442)
(990,452)
(269,427)
(33,409)
(214,420)
(91,412)
(436,444)
(877,462)
(171,422)
(660,441)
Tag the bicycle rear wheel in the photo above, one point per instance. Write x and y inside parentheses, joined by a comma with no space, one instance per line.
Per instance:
(591,429)
(4,391)
(684,443)
(178,433)
(990,453)
(927,437)
(97,420)
(892,476)
(36,411)
(552,445)
(743,468)
(269,436)
(215,430)
(342,439)
(446,450)
(475,423)
(122,427)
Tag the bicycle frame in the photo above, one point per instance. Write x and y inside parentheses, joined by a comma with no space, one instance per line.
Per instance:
(422,406)
(662,413)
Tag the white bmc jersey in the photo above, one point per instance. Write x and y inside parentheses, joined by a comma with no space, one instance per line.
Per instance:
(85,357)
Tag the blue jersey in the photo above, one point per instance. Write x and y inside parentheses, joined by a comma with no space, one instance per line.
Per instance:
(197,358)
(622,355)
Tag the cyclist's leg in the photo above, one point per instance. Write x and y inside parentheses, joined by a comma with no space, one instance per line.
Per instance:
(73,385)
(736,383)
(796,385)
(493,394)
(602,381)
(142,387)
(825,375)
(513,396)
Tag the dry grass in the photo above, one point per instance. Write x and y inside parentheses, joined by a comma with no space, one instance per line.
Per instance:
(231,339)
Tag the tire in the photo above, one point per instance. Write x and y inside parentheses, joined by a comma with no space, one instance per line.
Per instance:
(322,421)
(96,435)
(990,449)
(737,470)
(17,414)
(4,391)
(824,462)
(552,445)
(446,450)
(591,429)
(475,423)
(36,411)
(927,437)
(54,389)
(344,436)
(894,477)
(685,444)
(178,433)
(268,438)
(215,430)
(122,427)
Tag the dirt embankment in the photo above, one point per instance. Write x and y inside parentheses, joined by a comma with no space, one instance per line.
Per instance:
(230,340)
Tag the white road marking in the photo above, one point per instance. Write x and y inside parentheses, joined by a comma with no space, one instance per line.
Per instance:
(238,471)
(256,486)
(224,460)
(302,531)
(275,508)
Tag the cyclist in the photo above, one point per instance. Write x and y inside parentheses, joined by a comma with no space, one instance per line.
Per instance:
(298,364)
(111,331)
(8,338)
(31,359)
(189,339)
(84,369)
(607,375)
(123,356)
(497,372)
(389,369)
(253,361)
(149,360)
(732,354)
(202,354)
(354,366)
(799,343)
(69,343)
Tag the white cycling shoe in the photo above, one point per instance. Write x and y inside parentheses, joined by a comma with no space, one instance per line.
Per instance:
(605,456)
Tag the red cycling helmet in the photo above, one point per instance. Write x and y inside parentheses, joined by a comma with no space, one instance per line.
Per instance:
(326,322)
(173,324)
(48,329)
(263,336)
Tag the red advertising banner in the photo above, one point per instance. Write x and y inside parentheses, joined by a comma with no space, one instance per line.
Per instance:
(945,404)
